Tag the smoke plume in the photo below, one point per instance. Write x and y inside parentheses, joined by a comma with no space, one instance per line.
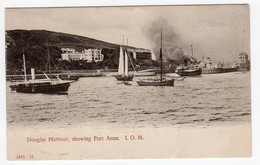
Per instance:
(170,40)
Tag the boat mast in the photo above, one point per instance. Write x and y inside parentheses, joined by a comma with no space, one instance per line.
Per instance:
(49,60)
(161,54)
(123,57)
(182,59)
(24,68)
(126,59)
(191,50)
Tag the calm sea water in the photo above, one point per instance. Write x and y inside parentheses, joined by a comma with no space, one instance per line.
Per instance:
(101,101)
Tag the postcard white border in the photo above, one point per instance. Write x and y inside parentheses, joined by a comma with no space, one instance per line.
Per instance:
(255,58)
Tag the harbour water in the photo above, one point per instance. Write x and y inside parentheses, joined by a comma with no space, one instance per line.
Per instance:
(102,102)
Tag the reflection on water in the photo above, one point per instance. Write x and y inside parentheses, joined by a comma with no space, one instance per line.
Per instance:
(101,101)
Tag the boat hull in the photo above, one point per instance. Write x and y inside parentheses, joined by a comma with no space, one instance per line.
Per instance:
(189,73)
(124,78)
(41,88)
(218,70)
(226,70)
(156,83)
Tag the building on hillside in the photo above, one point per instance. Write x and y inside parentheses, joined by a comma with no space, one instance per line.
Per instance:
(143,55)
(140,54)
(68,50)
(244,64)
(93,55)
(89,55)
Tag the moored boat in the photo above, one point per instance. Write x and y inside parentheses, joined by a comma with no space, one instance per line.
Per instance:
(40,86)
(226,70)
(123,73)
(189,72)
(124,78)
(47,85)
(157,82)
(218,70)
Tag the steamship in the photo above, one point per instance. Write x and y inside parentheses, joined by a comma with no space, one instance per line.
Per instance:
(40,86)
(47,85)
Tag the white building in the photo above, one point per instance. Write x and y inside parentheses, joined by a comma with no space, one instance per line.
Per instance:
(87,54)
(68,50)
(139,53)
(93,55)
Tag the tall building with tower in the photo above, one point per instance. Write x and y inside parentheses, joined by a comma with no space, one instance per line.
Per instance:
(244,63)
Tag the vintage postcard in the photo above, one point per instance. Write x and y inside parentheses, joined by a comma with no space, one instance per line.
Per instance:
(128,82)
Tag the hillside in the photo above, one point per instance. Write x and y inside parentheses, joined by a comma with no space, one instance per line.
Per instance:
(34,45)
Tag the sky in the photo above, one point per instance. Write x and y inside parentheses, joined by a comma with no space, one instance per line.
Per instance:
(220,32)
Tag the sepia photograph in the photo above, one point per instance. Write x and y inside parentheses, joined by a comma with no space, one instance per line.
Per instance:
(128,82)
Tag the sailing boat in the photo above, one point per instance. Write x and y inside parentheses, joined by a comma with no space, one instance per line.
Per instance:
(157,82)
(47,85)
(123,73)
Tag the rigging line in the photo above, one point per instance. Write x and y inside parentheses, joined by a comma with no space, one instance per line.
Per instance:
(131,61)
(42,60)
(168,41)
(54,63)
(32,43)
(163,55)
(46,65)
(22,42)
(91,46)
(25,40)
(34,35)
(53,60)
(80,40)
(55,51)
(106,43)
(171,42)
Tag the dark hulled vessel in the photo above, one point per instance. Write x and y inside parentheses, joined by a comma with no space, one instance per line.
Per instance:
(189,72)
(40,87)
(155,82)
(218,70)
(48,85)
(124,78)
